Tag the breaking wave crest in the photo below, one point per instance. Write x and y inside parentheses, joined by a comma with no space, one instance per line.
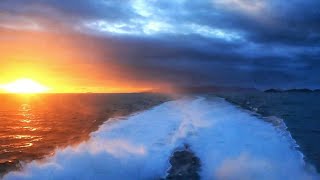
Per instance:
(230,142)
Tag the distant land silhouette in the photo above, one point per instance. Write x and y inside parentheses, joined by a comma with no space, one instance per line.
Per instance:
(213,89)
(305,90)
(231,89)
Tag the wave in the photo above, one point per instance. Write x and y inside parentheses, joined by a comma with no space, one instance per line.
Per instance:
(230,142)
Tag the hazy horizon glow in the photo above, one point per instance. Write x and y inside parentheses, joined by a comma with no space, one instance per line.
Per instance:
(24,86)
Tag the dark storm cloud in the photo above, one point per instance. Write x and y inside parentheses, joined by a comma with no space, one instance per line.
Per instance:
(229,42)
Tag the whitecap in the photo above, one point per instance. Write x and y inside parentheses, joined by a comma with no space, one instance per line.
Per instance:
(230,142)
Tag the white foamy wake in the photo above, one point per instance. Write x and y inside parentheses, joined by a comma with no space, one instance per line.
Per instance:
(230,142)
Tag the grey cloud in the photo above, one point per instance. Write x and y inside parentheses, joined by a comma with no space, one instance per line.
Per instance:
(274,48)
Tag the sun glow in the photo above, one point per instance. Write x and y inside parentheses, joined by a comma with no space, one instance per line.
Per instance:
(24,86)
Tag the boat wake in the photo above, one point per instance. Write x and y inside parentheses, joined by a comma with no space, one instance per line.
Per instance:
(230,142)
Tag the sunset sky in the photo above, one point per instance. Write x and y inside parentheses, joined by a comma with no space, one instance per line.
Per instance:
(138,45)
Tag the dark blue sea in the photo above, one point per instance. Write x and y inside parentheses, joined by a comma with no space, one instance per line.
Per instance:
(300,112)
(134,136)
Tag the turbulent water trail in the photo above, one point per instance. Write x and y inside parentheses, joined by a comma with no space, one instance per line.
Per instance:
(230,143)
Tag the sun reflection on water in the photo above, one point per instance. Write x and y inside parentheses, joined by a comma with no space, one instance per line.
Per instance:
(26,145)
(25,113)
(26,124)
(33,126)
(30,128)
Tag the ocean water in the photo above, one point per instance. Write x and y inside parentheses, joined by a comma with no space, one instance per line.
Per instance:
(299,111)
(230,142)
(33,127)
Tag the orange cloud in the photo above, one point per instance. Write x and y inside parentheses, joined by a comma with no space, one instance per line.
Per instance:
(63,62)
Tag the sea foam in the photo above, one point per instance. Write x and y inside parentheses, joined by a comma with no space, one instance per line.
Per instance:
(230,142)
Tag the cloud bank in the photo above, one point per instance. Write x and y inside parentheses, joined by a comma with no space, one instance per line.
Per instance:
(252,43)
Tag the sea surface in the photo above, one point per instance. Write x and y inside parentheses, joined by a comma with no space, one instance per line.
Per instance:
(33,126)
(298,110)
(233,135)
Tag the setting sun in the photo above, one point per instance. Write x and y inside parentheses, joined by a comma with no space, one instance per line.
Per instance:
(24,86)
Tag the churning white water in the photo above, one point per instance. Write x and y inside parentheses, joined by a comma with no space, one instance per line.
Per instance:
(230,142)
